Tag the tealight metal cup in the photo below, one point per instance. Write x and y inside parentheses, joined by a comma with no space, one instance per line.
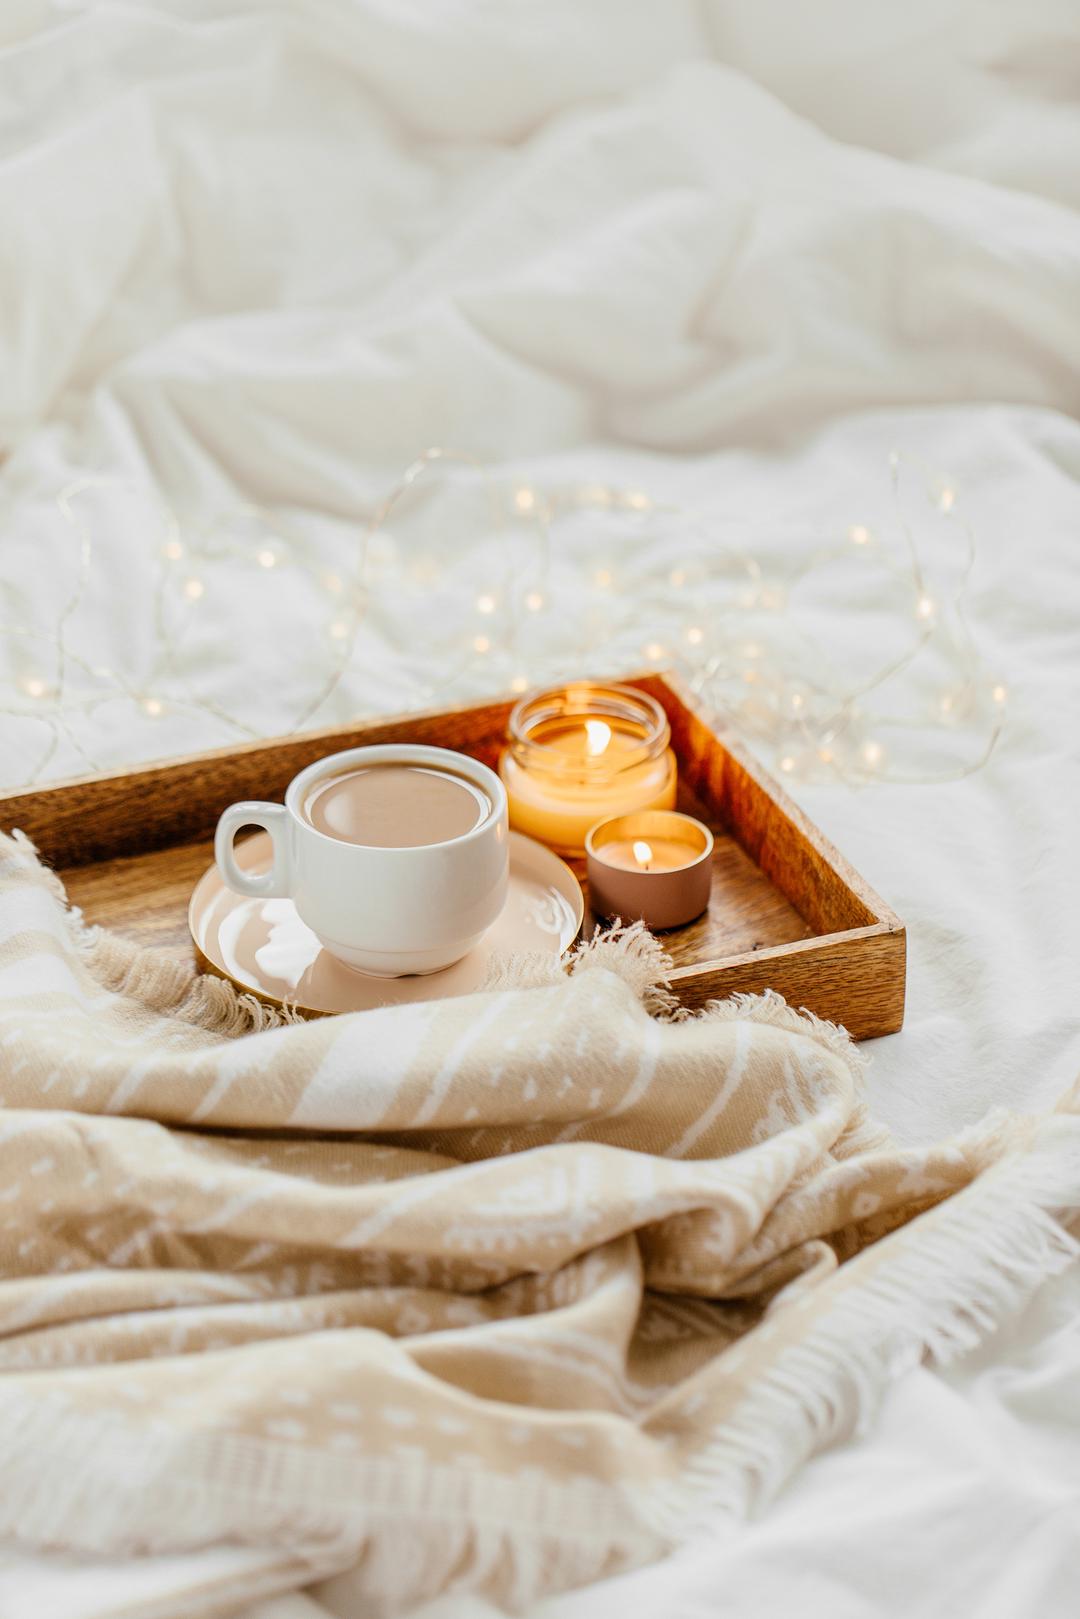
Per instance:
(660,896)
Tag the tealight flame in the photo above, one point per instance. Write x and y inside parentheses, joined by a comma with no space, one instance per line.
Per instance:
(642,854)
(598,737)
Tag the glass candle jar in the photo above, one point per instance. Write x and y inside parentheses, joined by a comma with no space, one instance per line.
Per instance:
(578,754)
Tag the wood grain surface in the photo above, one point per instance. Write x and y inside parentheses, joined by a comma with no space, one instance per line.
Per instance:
(855,978)
(179,800)
(787,911)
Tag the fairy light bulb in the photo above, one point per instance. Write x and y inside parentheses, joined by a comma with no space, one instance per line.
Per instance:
(774,701)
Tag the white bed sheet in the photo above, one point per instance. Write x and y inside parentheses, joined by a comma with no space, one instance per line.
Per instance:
(266,253)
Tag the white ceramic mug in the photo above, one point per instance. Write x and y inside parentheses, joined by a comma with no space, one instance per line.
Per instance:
(386,911)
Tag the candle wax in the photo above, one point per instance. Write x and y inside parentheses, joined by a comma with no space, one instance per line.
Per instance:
(666,854)
(559,810)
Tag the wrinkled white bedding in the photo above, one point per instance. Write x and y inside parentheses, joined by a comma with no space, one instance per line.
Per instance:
(733,254)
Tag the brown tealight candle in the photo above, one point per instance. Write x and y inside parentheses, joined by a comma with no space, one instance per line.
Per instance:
(653,866)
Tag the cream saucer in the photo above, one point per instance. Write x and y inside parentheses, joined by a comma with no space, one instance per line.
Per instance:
(263,947)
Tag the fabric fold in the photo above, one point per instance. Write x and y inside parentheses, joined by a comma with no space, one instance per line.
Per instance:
(504,1293)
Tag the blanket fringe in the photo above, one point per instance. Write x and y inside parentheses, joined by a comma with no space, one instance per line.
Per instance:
(945,1283)
(639,959)
(165,985)
(770,1007)
(161,983)
(152,976)
(416,1528)
(636,956)
(935,1288)
(631,952)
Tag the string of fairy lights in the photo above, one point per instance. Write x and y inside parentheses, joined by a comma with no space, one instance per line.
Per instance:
(532,582)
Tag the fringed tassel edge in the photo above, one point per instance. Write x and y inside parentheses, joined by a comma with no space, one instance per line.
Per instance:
(151,976)
(162,984)
(636,956)
(98,1482)
(935,1288)
(938,1287)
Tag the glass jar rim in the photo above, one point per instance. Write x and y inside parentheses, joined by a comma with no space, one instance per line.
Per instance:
(591,700)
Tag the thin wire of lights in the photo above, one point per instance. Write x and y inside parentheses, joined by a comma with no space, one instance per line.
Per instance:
(701,613)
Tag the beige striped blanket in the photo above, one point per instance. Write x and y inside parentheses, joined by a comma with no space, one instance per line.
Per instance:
(500,1293)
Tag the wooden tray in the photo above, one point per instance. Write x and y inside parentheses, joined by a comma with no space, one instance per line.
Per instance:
(787,911)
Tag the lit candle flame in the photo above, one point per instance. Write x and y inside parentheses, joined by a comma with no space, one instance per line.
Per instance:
(598,736)
(642,854)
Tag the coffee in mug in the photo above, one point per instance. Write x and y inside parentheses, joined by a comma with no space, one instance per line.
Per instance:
(395,806)
(397,857)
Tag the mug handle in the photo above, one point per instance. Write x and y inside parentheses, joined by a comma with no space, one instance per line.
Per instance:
(273,818)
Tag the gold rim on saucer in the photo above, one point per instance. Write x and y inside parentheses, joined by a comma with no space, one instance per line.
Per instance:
(263,948)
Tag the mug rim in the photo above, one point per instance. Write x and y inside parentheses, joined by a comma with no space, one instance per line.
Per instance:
(387,752)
